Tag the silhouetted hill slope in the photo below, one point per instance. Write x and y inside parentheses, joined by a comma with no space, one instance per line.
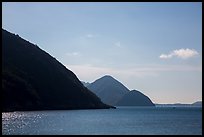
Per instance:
(108,89)
(85,83)
(135,98)
(197,103)
(34,80)
(113,92)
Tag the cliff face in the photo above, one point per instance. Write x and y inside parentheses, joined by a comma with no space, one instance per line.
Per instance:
(34,80)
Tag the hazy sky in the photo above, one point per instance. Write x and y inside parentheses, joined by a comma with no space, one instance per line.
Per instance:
(152,47)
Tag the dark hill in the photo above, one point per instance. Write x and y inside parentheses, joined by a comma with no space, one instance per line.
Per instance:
(85,83)
(197,103)
(34,80)
(135,98)
(108,89)
(113,92)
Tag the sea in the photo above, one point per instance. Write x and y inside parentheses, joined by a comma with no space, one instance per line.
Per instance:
(120,121)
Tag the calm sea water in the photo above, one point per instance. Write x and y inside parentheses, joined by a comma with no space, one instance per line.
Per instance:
(123,120)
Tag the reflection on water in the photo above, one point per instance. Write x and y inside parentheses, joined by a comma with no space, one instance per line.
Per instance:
(123,120)
(19,121)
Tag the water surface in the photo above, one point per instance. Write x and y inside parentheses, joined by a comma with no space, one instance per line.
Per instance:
(120,121)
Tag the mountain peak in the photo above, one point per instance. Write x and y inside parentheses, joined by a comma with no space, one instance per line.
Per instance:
(136,91)
(107,86)
(113,92)
(108,77)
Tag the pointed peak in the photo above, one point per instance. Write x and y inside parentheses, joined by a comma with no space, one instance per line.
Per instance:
(107,76)
(137,92)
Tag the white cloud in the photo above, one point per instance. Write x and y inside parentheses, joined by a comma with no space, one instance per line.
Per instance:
(185,53)
(164,56)
(73,54)
(181,53)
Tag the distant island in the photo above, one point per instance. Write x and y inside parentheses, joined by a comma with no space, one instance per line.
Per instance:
(34,80)
(113,92)
(195,104)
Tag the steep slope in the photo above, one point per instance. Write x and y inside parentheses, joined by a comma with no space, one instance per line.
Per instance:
(108,89)
(85,83)
(34,80)
(135,98)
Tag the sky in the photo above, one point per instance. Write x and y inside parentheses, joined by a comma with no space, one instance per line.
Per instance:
(155,48)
